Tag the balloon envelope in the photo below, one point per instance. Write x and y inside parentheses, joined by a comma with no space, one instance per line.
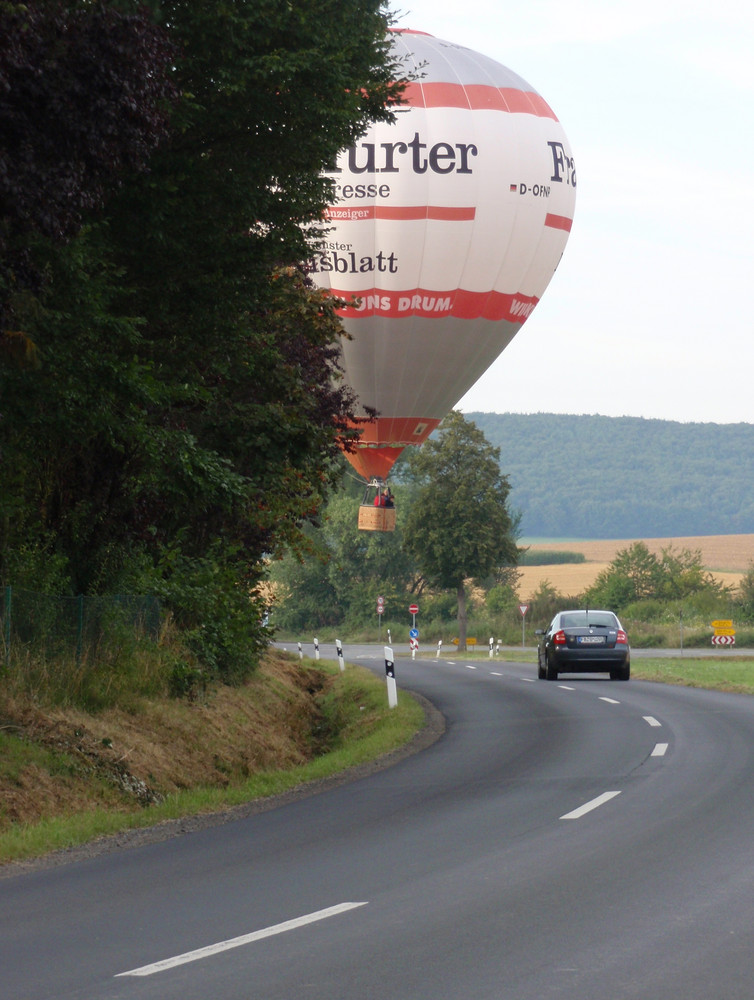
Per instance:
(447,226)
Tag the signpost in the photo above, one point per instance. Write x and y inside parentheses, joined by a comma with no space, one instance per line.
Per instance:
(725,634)
(380,613)
(413,641)
(523,608)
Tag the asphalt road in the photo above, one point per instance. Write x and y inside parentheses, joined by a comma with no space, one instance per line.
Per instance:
(580,840)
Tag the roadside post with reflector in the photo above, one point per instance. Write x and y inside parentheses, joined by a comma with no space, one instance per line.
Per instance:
(339,651)
(392,690)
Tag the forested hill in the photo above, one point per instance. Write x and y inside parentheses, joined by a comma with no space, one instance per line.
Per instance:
(624,477)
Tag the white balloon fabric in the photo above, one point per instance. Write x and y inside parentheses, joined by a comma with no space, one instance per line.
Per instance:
(448,225)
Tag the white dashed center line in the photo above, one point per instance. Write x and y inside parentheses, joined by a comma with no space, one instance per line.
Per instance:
(660,750)
(651,720)
(214,949)
(588,806)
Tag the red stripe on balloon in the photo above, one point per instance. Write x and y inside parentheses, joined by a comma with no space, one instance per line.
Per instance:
(444,213)
(477,97)
(457,303)
(558,222)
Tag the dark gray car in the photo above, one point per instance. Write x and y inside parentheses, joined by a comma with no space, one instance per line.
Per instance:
(584,641)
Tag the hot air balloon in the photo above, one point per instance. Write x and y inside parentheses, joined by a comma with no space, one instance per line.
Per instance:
(446,227)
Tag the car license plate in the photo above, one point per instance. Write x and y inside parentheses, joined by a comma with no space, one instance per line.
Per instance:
(591,640)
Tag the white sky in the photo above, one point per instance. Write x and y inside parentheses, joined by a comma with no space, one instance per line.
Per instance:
(650,313)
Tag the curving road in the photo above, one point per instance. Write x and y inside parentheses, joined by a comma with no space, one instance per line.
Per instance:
(581,840)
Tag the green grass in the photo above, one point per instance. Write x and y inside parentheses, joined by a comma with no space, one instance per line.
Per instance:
(729,674)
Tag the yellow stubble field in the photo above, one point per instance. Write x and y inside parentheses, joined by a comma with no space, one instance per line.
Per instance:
(726,556)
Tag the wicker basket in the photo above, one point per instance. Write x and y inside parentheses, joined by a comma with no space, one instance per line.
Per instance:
(373,518)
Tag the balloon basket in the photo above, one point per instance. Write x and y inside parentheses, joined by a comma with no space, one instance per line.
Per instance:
(376,518)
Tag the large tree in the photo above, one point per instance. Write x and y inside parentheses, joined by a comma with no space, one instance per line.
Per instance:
(188,408)
(459,525)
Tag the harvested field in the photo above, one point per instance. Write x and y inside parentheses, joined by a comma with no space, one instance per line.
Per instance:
(727,556)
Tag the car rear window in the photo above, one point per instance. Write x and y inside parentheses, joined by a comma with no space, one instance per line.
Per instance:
(582,619)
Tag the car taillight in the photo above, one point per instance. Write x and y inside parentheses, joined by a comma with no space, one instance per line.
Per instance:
(621,637)
(559,638)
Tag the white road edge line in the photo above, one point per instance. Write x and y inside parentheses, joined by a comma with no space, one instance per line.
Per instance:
(237,942)
(565,687)
(469,667)
(651,720)
(660,750)
(588,806)
(494,673)
(610,701)
(529,680)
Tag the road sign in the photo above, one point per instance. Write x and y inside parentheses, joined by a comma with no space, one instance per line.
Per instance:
(380,609)
(413,643)
(380,601)
(722,623)
(413,633)
(723,640)
(413,609)
(523,608)
(725,631)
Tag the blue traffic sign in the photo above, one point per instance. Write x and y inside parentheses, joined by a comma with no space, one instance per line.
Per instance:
(413,633)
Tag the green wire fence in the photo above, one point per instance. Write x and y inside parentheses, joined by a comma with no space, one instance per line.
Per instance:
(58,624)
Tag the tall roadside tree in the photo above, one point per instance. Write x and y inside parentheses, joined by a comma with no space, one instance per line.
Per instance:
(185,421)
(459,526)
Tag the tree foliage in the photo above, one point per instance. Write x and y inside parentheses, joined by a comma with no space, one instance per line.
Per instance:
(589,476)
(459,525)
(636,574)
(184,422)
(85,91)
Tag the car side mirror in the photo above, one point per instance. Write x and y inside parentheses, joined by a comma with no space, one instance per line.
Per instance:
(539,631)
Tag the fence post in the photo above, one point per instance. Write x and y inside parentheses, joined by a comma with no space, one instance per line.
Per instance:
(80,629)
(7,617)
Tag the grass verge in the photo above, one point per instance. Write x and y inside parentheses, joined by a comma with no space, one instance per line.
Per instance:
(353,725)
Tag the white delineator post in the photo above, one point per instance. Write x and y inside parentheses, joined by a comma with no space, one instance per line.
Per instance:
(439,648)
(316,649)
(339,651)
(300,651)
(392,690)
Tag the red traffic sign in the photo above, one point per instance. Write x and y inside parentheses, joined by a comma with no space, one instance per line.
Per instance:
(380,601)
(380,609)
(523,608)
(413,609)
(723,640)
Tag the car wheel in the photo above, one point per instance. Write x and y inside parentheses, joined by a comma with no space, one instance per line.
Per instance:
(620,673)
(540,669)
(551,669)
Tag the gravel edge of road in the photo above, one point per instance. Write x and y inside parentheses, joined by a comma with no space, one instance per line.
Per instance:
(433,729)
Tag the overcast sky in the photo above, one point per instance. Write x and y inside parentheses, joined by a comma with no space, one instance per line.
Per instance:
(650,313)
